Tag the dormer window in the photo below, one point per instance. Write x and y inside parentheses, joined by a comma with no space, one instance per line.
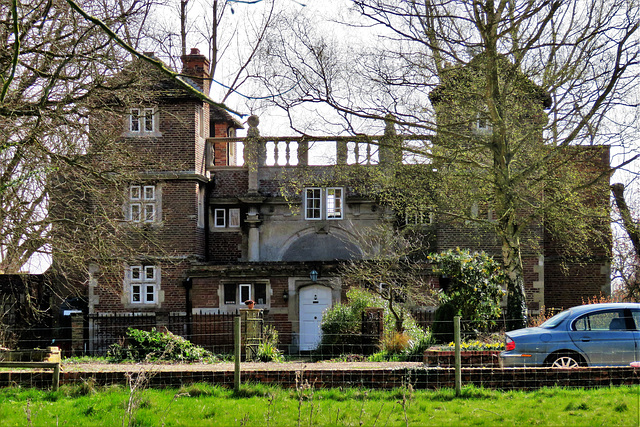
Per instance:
(143,121)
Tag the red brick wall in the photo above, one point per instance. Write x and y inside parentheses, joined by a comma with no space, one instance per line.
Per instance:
(111,288)
(180,234)
(230,183)
(225,247)
(570,287)
(180,148)
(204,292)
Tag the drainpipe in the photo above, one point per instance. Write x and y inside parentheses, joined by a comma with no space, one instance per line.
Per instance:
(188,283)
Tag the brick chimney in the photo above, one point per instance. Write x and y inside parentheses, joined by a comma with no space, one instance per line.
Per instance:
(196,66)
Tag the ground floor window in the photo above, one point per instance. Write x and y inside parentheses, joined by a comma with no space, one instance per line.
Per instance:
(238,293)
(143,284)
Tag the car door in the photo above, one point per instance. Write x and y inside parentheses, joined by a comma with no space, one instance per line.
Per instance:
(635,315)
(606,337)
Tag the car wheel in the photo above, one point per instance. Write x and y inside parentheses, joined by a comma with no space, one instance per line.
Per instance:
(565,361)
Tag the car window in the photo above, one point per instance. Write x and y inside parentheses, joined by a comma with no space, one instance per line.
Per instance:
(635,314)
(601,321)
(555,320)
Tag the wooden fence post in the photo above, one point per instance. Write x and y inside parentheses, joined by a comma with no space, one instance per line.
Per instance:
(237,352)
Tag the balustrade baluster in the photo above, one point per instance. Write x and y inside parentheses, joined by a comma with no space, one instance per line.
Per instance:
(287,153)
(276,153)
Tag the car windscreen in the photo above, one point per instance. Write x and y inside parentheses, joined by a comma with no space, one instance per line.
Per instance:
(555,320)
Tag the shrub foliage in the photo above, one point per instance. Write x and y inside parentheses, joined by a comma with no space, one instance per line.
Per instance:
(476,287)
(142,345)
(342,329)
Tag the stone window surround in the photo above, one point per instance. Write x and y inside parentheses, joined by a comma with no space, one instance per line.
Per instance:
(128,296)
(137,123)
(240,304)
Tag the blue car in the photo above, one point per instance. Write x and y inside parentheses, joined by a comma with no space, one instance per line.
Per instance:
(588,335)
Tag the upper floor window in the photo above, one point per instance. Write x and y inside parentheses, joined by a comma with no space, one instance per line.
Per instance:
(142,203)
(482,124)
(226,218)
(143,121)
(324,203)
(143,283)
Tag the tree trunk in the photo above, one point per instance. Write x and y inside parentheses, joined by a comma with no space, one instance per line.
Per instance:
(627,220)
(516,315)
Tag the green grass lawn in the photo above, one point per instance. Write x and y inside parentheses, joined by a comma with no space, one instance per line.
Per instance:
(264,406)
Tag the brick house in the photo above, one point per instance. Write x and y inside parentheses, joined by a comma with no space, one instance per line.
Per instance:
(228,234)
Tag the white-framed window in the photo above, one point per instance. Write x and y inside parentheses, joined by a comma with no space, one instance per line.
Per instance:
(143,282)
(142,203)
(226,217)
(201,197)
(220,218)
(334,203)
(482,124)
(238,293)
(142,120)
(324,203)
(313,203)
(201,121)
(419,216)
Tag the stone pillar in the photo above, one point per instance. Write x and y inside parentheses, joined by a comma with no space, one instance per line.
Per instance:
(390,145)
(342,152)
(77,333)
(254,156)
(253,219)
(303,152)
(252,322)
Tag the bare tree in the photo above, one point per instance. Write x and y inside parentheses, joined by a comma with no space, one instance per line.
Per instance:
(573,62)
(232,31)
(628,250)
(58,72)
(393,269)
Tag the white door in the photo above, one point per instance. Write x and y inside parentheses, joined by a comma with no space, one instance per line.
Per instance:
(313,301)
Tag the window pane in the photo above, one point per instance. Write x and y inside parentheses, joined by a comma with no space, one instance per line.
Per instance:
(149,192)
(149,212)
(245,292)
(220,217)
(312,203)
(134,212)
(134,192)
(150,297)
(234,217)
(148,120)
(136,273)
(334,203)
(230,293)
(150,273)
(135,293)
(134,120)
(260,290)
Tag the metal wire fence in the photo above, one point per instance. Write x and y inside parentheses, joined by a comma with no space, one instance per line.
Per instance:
(368,357)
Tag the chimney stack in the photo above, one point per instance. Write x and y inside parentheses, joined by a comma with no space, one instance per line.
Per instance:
(196,66)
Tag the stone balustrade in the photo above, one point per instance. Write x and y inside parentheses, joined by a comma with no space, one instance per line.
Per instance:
(293,151)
